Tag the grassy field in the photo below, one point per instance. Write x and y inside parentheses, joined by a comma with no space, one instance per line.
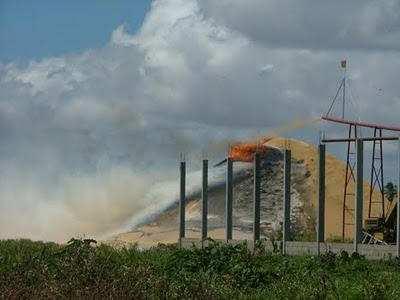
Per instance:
(83,269)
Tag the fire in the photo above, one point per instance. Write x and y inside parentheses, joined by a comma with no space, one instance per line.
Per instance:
(245,151)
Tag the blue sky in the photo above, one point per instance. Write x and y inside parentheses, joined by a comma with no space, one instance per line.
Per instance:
(37,29)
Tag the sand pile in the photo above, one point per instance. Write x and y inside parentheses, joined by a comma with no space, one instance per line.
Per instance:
(164,229)
(335,177)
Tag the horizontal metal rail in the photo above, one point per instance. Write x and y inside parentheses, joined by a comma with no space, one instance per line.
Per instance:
(360,123)
(364,139)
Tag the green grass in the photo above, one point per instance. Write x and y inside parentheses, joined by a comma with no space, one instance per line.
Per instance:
(41,270)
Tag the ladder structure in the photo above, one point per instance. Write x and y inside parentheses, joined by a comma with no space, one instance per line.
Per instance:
(349,182)
(369,239)
(376,179)
(376,207)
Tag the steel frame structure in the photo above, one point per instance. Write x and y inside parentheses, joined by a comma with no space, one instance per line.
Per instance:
(376,175)
(364,139)
(376,178)
(348,206)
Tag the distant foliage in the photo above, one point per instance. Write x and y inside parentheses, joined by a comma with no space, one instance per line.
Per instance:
(85,269)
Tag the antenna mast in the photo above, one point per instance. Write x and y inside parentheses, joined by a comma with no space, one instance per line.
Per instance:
(343,64)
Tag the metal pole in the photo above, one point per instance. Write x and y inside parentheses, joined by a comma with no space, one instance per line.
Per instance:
(286,197)
(364,139)
(321,196)
(344,95)
(204,196)
(182,200)
(359,196)
(382,180)
(256,198)
(372,178)
(346,182)
(398,202)
(229,198)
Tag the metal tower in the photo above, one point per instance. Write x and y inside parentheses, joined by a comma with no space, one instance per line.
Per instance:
(376,208)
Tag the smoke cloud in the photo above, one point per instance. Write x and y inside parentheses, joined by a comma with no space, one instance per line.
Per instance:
(85,137)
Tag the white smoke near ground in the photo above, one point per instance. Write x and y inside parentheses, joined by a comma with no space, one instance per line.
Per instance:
(99,205)
(165,194)
(78,206)
(89,142)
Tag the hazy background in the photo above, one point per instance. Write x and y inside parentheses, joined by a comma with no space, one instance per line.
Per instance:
(86,132)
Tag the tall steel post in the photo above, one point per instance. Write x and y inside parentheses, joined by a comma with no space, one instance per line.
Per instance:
(348,208)
(229,199)
(204,197)
(321,196)
(182,200)
(398,202)
(256,198)
(359,195)
(286,235)
(344,96)
(377,179)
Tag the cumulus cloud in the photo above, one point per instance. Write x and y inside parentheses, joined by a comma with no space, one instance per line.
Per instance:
(195,73)
(356,24)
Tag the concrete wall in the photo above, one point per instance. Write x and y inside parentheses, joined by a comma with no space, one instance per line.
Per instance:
(306,248)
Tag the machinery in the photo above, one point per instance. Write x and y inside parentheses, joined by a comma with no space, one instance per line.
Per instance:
(381,215)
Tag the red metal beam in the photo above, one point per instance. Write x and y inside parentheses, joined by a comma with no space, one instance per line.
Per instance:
(364,139)
(360,123)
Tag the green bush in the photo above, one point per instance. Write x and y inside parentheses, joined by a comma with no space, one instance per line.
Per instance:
(82,268)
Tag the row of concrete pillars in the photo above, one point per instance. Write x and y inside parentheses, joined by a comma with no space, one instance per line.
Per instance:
(286,228)
(229,199)
(359,198)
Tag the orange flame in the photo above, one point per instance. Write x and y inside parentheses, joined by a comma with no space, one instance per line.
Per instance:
(245,151)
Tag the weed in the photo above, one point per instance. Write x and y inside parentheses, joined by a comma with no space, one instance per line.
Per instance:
(85,269)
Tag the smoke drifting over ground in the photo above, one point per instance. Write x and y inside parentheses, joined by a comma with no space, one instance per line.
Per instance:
(80,205)
(85,137)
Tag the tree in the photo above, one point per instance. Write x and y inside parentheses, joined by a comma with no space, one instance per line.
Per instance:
(390,191)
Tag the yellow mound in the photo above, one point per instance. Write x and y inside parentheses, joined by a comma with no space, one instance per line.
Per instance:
(335,177)
(165,228)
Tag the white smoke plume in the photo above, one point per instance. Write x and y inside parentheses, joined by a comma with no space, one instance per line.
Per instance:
(86,137)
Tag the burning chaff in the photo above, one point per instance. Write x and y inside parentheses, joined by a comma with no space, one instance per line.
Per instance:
(244,152)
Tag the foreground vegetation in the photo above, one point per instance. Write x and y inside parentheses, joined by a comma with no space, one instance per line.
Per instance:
(34,269)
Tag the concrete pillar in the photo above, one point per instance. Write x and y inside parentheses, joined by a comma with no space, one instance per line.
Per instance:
(204,197)
(182,200)
(286,199)
(229,199)
(359,195)
(321,196)
(398,202)
(256,197)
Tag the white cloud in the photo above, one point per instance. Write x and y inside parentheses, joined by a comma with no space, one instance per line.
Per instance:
(195,71)
(120,37)
(342,24)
